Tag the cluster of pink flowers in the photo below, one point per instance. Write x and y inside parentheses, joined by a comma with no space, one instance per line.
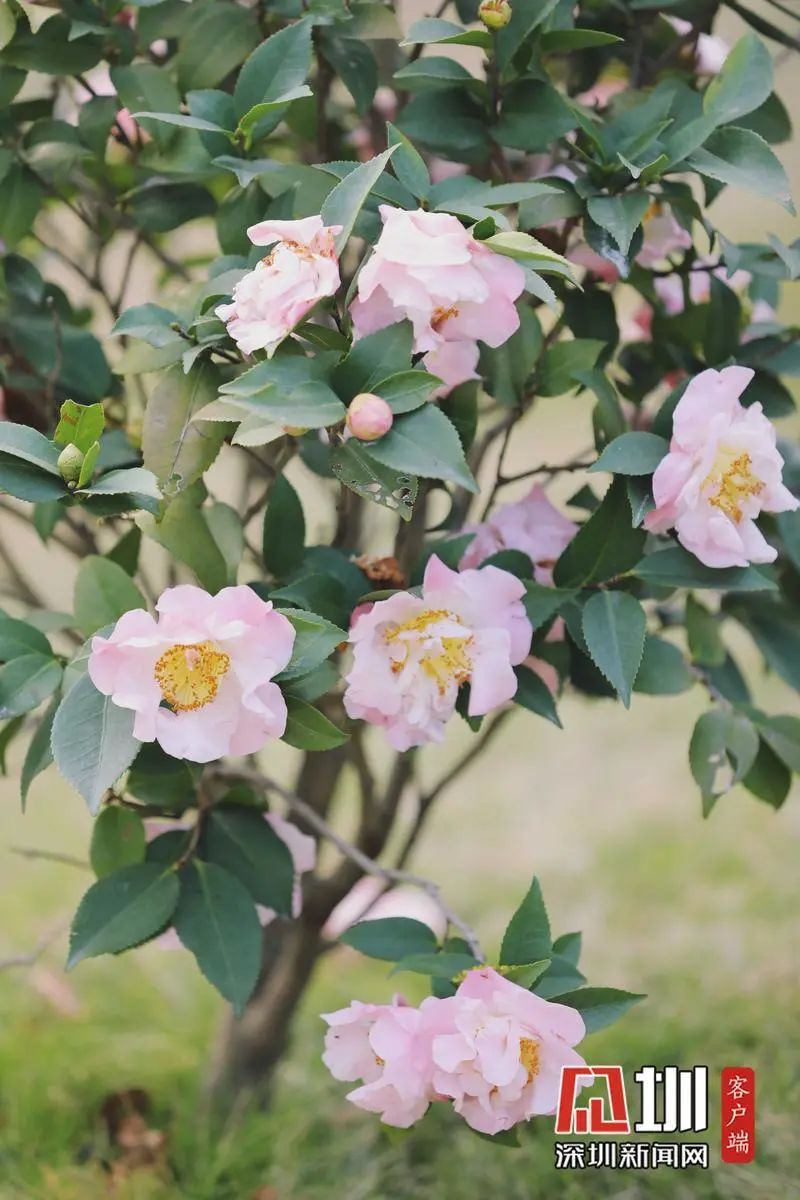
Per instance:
(426,267)
(723,469)
(494,1050)
(199,678)
(411,654)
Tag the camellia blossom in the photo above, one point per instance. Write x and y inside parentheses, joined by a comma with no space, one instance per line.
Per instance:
(427,268)
(722,470)
(383,1046)
(494,1049)
(532,525)
(501,1064)
(268,301)
(412,653)
(199,677)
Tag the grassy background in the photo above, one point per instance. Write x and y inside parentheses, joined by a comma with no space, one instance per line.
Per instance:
(700,915)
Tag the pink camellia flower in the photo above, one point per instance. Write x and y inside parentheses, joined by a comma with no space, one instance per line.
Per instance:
(532,525)
(369,417)
(268,302)
(663,235)
(412,653)
(721,471)
(199,677)
(383,1046)
(454,363)
(710,51)
(501,1063)
(427,268)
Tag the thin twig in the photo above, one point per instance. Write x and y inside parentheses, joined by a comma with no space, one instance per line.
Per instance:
(68,860)
(29,959)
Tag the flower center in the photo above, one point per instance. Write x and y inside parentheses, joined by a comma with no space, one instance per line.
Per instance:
(445,660)
(529,1056)
(189,675)
(731,480)
(441,316)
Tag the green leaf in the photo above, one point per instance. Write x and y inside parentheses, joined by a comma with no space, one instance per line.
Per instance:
(605,546)
(621,216)
(213,43)
(185,533)
(437,966)
(278,65)
(18,637)
(39,755)
(743,84)
(79,425)
(769,778)
(217,920)
(137,485)
(103,592)
(30,446)
(425,443)
(568,946)
(255,116)
(564,361)
(406,390)
(564,41)
(703,631)
(527,938)
(676,567)
(315,640)
(118,840)
(176,448)
(25,682)
(614,627)
(526,974)
(309,729)
(721,339)
(526,249)
(542,603)
(408,164)
(390,938)
(782,734)
(534,694)
(122,910)
(632,454)
(663,670)
(345,202)
(775,630)
(722,750)
(374,358)
(243,842)
(434,29)
(92,741)
(743,159)
(184,121)
(599,1006)
(284,530)
(150,322)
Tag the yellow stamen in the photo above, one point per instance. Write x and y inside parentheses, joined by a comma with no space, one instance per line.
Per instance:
(452,664)
(731,480)
(529,1056)
(441,316)
(189,675)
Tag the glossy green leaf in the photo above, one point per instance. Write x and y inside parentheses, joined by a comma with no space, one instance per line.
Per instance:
(122,910)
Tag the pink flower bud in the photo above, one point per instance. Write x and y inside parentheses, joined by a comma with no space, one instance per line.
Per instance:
(369,417)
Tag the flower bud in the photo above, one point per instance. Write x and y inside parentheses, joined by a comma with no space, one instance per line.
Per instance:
(369,417)
(69,463)
(495,14)
(295,430)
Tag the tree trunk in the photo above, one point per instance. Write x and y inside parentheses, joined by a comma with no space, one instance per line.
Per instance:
(250,1048)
